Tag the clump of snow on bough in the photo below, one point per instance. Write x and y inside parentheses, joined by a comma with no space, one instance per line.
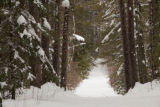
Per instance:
(78,37)
(46,24)
(21,20)
(66,3)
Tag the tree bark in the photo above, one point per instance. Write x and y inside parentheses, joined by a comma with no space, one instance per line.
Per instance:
(58,36)
(151,34)
(45,38)
(0,102)
(65,49)
(130,33)
(38,75)
(125,43)
(13,92)
(45,45)
(141,61)
(1,95)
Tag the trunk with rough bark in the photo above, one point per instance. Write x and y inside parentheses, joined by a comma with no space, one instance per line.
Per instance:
(151,34)
(0,95)
(58,36)
(13,92)
(141,60)
(65,50)
(130,33)
(125,43)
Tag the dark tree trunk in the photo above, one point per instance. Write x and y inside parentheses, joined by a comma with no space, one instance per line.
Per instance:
(45,38)
(0,96)
(45,44)
(65,49)
(1,18)
(125,44)
(13,92)
(141,61)
(58,36)
(130,33)
(151,34)
(0,102)
(38,75)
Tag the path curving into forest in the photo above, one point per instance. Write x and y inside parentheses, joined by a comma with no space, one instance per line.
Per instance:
(97,84)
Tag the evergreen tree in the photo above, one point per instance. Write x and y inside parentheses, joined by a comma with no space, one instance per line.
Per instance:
(23,59)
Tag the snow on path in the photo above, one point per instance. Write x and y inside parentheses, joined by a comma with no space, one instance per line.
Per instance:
(75,101)
(97,84)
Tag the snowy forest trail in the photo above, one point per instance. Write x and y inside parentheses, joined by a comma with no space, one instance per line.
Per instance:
(92,92)
(97,84)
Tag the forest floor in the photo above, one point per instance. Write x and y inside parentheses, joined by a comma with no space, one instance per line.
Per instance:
(92,92)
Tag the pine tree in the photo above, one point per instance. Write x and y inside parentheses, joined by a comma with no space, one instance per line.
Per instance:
(23,59)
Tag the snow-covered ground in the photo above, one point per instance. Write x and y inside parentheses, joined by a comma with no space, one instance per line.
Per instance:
(49,95)
(97,84)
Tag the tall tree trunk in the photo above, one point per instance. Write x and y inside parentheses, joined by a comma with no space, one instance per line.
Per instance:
(125,43)
(0,95)
(65,48)
(45,39)
(151,34)
(0,102)
(35,12)
(58,36)
(45,44)
(131,45)
(141,61)
(38,75)
(13,92)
